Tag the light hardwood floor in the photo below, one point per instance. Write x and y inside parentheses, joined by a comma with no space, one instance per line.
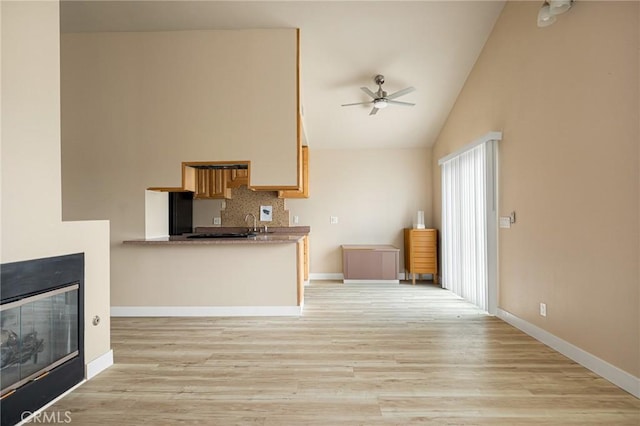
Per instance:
(360,355)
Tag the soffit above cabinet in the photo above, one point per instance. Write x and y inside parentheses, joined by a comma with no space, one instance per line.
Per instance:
(181,95)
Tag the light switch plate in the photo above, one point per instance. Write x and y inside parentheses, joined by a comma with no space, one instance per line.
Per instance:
(505,222)
(333,220)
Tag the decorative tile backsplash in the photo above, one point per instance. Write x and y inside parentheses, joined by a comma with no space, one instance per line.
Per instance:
(244,201)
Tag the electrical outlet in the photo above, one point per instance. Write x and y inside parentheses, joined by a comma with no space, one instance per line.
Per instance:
(217,221)
(333,220)
(295,219)
(543,309)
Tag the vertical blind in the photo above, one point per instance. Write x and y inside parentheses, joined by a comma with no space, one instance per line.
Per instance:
(464,224)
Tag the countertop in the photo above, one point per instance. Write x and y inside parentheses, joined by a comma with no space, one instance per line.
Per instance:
(280,235)
(272,230)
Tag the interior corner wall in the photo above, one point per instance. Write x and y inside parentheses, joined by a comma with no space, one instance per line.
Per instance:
(566,98)
(374,193)
(30,155)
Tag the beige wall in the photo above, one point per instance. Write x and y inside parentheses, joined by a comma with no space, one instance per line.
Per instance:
(566,98)
(240,275)
(31,189)
(375,193)
(136,105)
(141,103)
(205,210)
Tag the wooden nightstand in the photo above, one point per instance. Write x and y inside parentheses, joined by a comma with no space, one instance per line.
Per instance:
(421,252)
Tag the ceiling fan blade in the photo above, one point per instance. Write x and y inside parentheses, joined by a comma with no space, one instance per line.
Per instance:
(358,103)
(400,103)
(368,92)
(401,92)
(374,110)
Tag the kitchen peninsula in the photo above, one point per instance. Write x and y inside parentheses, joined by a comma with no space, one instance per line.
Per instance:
(261,275)
(187,127)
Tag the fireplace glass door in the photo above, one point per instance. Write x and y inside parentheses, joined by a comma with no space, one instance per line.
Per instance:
(38,333)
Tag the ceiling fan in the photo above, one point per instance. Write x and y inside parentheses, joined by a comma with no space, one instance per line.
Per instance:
(380,98)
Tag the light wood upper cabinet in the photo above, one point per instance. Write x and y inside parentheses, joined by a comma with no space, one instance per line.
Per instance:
(303,192)
(189,178)
(211,183)
(207,182)
(237,178)
(215,179)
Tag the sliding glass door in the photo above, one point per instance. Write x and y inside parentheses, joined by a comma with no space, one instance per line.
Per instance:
(469,247)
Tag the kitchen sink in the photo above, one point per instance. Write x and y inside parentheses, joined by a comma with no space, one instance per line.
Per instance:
(238,235)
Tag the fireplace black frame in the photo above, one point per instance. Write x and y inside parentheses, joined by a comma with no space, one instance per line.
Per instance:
(28,278)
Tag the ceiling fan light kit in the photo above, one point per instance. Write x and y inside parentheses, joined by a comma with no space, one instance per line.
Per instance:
(550,9)
(545,18)
(556,7)
(380,98)
(379,103)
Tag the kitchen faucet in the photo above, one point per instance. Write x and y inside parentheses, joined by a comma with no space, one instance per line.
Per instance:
(255,222)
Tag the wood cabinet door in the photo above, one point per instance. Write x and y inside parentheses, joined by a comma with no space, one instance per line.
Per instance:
(211,183)
(304,191)
(237,177)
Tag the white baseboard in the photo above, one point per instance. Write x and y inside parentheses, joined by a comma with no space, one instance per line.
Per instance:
(99,364)
(205,311)
(337,276)
(618,377)
(371,281)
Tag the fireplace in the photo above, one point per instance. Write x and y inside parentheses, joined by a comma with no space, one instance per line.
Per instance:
(42,332)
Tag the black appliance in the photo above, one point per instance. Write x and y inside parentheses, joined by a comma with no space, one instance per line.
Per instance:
(180,213)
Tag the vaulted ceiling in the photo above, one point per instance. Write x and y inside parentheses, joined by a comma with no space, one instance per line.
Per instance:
(430,45)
